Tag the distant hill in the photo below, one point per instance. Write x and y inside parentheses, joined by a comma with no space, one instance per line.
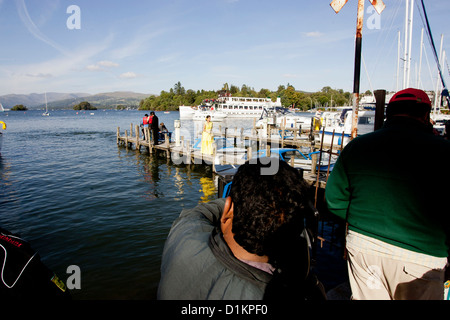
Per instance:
(33,100)
(105,100)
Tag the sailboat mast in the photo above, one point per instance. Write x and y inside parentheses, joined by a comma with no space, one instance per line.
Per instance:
(405,54)
(398,61)
(410,43)
(436,94)
(420,59)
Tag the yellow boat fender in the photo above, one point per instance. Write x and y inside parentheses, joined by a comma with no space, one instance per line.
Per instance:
(3,125)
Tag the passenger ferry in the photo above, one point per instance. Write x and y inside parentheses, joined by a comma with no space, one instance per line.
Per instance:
(233,107)
(244,107)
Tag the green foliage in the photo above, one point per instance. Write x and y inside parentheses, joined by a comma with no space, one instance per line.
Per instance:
(19,107)
(84,106)
(290,97)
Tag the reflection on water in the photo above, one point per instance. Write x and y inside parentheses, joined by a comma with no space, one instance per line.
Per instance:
(208,189)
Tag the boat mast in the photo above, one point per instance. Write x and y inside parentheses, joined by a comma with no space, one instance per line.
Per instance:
(436,94)
(420,59)
(410,43)
(408,40)
(398,61)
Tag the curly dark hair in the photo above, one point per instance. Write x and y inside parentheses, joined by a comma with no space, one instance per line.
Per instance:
(267,206)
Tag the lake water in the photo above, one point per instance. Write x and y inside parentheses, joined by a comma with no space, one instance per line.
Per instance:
(79,199)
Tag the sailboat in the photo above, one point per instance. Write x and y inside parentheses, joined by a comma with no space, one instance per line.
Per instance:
(46,107)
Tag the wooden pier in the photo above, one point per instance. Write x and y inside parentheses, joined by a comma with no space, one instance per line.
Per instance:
(181,150)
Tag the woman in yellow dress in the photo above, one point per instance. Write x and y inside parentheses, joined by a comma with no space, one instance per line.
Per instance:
(207,138)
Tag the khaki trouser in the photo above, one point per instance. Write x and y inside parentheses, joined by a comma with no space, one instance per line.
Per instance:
(380,278)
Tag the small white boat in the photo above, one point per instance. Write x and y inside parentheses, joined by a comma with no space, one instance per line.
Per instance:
(439,121)
(46,114)
(187,112)
(341,125)
(283,118)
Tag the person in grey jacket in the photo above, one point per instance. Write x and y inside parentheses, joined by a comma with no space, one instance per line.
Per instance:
(248,246)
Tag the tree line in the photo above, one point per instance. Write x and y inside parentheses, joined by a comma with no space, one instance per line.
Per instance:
(290,97)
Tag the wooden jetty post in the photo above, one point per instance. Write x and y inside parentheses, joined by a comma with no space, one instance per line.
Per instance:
(138,145)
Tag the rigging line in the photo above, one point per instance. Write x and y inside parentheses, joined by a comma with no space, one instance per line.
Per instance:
(381,53)
(430,37)
(368,77)
(429,68)
(448,67)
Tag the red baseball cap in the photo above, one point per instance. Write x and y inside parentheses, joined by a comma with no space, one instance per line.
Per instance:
(411,94)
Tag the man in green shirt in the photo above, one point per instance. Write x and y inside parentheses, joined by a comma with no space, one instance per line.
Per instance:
(391,187)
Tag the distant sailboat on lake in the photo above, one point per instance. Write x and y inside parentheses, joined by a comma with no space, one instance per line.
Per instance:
(46,107)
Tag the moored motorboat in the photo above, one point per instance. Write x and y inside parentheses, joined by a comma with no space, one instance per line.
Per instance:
(336,128)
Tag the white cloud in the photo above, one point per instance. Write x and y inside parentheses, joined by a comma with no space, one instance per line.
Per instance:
(102,66)
(34,30)
(128,75)
(93,67)
(168,58)
(108,64)
(314,34)
(138,44)
(26,78)
(39,75)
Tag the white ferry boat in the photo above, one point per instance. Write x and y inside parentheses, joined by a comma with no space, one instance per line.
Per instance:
(244,107)
(232,107)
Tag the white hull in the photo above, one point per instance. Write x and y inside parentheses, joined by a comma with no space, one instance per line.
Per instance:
(233,107)
(342,130)
(243,114)
(187,112)
(244,107)
(215,116)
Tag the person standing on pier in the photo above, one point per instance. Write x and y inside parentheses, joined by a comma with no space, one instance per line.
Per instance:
(154,127)
(207,138)
(251,245)
(145,124)
(390,186)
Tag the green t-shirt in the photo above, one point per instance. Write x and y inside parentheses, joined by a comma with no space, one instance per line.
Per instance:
(392,185)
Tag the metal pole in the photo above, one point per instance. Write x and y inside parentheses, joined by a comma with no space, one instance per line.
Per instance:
(398,61)
(420,60)
(408,76)
(405,56)
(356,82)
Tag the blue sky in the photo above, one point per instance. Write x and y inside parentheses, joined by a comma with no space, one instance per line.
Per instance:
(148,46)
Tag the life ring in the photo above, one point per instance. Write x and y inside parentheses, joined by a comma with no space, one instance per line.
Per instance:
(3,125)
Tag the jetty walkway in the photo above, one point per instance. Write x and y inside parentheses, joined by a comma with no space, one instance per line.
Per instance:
(181,150)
